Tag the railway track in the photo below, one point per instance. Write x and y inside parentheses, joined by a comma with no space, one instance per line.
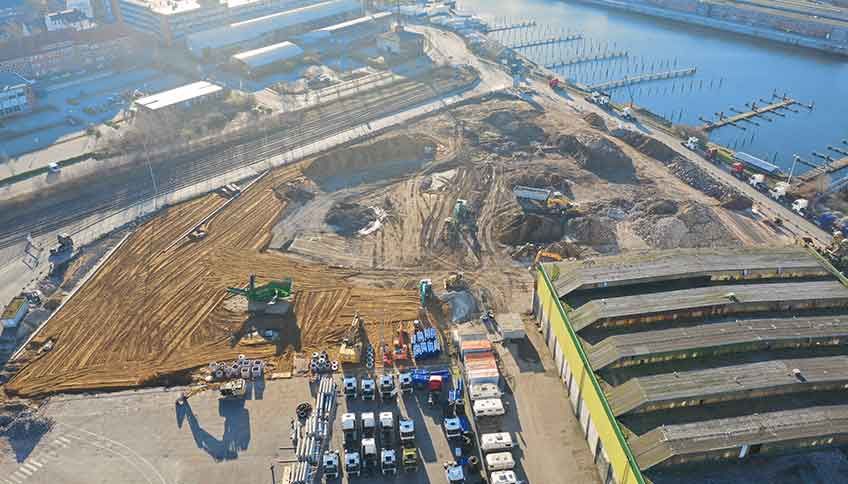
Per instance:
(135,188)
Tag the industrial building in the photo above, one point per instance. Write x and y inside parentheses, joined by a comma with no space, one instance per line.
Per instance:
(255,62)
(178,98)
(172,20)
(678,357)
(16,95)
(278,26)
(350,31)
(401,43)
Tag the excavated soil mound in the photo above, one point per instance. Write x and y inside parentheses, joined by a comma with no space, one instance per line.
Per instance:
(542,179)
(593,231)
(527,227)
(349,218)
(515,128)
(383,159)
(694,225)
(596,154)
(662,207)
(645,144)
(595,120)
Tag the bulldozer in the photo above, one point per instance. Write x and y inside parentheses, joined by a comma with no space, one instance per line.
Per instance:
(272,298)
(350,350)
(455,282)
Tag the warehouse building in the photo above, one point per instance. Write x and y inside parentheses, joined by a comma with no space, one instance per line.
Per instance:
(401,43)
(178,98)
(278,26)
(350,31)
(16,95)
(679,357)
(258,61)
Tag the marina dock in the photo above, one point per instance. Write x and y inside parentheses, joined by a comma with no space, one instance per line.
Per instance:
(654,76)
(755,111)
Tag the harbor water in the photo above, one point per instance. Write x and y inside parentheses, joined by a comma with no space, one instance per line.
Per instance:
(732,70)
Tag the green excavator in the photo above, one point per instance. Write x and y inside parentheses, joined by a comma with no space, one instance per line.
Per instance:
(274,297)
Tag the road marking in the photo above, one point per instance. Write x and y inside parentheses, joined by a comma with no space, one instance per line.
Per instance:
(35,462)
(25,471)
(15,477)
(30,467)
(63,439)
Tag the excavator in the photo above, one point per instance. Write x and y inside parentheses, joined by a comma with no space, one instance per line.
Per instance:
(350,350)
(547,255)
(455,282)
(272,298)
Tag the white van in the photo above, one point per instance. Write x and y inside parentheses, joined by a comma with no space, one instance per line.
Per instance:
(488,407)
(501,461)
(495,442)
(504,477)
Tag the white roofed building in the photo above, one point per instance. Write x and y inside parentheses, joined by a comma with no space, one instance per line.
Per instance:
(178,98)
(258,60)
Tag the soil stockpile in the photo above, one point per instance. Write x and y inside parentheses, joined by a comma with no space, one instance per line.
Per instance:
(598,232)
(689,226)
(595,120)
(645,144)
(597,154)
(519,130)
(349,218)
(527,227)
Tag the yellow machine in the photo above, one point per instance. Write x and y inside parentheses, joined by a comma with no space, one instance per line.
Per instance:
(548,255)
(454,282)
(351,347)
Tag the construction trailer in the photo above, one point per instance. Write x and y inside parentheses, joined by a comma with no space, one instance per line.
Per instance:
(728,354)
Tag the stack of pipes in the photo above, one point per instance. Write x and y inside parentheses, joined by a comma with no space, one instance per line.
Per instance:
(313,435)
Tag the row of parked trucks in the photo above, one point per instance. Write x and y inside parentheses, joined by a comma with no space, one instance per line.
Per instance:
(362,453)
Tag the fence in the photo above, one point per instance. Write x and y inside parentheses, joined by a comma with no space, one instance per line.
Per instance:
(609,448)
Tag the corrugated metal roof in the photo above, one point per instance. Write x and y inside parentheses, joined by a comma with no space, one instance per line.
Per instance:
(178,95)
(360,21)
(826,293)
(667,441)
(679,263)
(254,28)
(714,335)
(269,54)
(728,381)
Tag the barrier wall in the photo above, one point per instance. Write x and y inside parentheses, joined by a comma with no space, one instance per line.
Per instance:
(609,448)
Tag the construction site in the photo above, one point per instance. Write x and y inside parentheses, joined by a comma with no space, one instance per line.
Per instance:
(677,303)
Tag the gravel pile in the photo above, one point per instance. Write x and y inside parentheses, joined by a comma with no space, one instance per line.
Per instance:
(595,120)
(691,225)
(598,232)
(597,154)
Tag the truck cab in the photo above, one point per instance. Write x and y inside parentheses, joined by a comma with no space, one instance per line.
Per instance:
(367,387)
(454,474)
(368,424)
(453,428)
(504,477)
(627,113)
(692,143)
(350,430)
(387,429)
(779,191)
(407,432)
(799,206)
(369,453)
(405,380)
(410,459)
(232,390)
(349,384)
(388,462)
(353,465)
(330,465)
(757,181)
(387,387)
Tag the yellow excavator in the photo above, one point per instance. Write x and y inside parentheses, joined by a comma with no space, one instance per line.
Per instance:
(547,255)
(455,282)
(350,350)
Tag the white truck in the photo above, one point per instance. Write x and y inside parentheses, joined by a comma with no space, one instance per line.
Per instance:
(369,453)
(349,429)
(779,191)
(353,465)
(500,461)
(405,379)
(349,383)
(330,465)
(387,429)
(598,98)
(367,387)
(368,424)
(799,206)
(757,181)
(504,477)
(407,432)
(692,143)
(495,442)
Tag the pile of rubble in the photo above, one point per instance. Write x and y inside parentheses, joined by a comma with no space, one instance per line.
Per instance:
(518,130)
(596,153)
(595,231)
(684,169)
(595,120)
(349,218)
(666,225)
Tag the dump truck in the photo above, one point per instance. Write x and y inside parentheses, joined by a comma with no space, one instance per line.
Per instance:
(350,430)
(541,199)
(367,388)
(387,387)
(369,453)
(330,464)
(434,389)
(233,389)
(387,429)
(274,297)
(407,432)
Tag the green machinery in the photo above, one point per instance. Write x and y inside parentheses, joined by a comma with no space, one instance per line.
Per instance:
(425,290)
(454,223)
(272,298)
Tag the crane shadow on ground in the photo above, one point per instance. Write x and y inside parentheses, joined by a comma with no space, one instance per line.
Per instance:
(236,437)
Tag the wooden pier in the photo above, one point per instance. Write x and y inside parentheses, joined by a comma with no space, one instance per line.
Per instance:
(655,76)
(825,169)
(755,112)
(502,28)
(548,41)
(586,59)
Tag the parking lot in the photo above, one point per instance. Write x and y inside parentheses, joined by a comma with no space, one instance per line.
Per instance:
(430,440)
